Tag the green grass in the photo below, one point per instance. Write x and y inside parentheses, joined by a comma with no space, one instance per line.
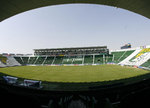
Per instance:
(89,73)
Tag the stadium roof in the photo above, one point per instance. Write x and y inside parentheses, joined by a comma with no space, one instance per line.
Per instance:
(10,8)
(72,48)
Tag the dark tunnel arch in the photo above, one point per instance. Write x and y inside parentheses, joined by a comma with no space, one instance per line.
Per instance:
(10,8)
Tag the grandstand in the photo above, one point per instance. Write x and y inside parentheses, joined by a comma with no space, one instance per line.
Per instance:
(3,61)
(65,56)
(138,56)
(72,51)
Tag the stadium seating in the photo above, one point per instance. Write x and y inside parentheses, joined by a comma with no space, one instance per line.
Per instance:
(11,61)
(118,56)
(58,60)
(108,58)
(126,54)
(78,60)
(32,60)
(98,59)
(2,65)
(138,57)
(52,60)
(3,59)
(121,55)
(127,59)
(68,59)
(25,60)
(146,64)
(88,59)
(40,60)
(19,60)
(135,56)
(49,60)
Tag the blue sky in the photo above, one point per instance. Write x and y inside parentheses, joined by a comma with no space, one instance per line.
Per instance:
(73,25)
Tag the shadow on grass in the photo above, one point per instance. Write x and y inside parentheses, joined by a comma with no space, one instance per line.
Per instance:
(87,85)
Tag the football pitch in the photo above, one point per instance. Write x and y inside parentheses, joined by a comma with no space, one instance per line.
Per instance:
(97,73)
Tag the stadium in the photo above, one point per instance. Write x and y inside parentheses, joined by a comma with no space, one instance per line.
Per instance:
(75,72)
(75,77)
